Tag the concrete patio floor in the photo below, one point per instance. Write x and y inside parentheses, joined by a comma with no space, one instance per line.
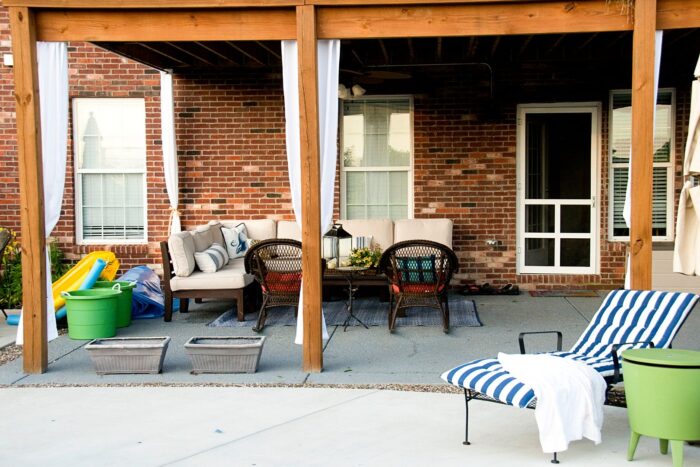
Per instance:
(163,425)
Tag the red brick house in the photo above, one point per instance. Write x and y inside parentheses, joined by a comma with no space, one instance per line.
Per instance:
(469,105)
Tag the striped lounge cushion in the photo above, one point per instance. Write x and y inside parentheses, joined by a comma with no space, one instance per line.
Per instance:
(624,316)
(212,259)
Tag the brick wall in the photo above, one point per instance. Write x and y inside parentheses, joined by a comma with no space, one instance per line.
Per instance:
(230,137)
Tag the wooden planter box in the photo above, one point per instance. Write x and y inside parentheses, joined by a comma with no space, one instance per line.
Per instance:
(128,354)
(225,354)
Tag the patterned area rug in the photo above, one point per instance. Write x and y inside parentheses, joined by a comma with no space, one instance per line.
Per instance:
(370,311)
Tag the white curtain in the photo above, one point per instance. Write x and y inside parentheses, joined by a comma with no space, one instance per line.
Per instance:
(328,68)
(627,210)
(686,251)
(52,58)
(167,129)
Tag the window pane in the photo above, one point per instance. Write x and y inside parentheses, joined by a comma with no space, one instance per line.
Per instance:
(110,133)
(92,190)
(539,252)
(575,219)
(620,141)
(539,218)
(619,188)
(575,252)
(134,189)
(659,201)
(114,189)
(376,133)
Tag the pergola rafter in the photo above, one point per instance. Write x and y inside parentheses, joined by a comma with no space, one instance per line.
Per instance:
(307,21)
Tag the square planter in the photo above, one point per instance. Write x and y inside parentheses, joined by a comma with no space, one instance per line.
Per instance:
(128,354)
(219,354)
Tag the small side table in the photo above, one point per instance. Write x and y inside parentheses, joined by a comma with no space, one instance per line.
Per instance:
(663,397)
(350,273)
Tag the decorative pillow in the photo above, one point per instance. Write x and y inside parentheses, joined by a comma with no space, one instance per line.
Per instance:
(215,233)
(362,242)
(202,238)
(417,269)
(212,259)
(236,239)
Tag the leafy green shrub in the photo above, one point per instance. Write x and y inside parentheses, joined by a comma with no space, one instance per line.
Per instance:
(11,283)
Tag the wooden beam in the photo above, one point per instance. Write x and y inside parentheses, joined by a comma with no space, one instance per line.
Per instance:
(243,52)
(158,51)
(31,190)
(438,49)
(385,52)
(310,187)
(677,14)
(112,4)
(537,17)
(165,25)
(274,53)
(643,41)
(210,47)
(184,49)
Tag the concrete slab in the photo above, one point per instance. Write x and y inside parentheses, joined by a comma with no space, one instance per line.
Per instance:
(7,333)
(286,427)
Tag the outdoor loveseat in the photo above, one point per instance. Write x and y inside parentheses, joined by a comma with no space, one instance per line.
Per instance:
(183,279)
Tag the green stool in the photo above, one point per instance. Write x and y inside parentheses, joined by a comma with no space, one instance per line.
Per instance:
(663,397)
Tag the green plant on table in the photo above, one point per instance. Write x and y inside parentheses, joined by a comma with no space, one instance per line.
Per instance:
(367,257)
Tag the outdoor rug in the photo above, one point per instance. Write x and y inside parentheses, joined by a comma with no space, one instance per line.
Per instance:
(369,310)
(563,293)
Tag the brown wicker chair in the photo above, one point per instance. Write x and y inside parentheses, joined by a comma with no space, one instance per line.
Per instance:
(419,273)
(276,265)
(5,237)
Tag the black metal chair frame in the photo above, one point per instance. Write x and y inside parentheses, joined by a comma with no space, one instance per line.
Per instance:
(281,256)
(432,294)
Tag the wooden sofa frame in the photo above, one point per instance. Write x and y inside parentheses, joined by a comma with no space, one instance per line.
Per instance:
(197,294)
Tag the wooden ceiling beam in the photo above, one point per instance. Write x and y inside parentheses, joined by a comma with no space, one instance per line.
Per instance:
(160,52)
(135,51)
(411,51)
(382,46)
(211,48)
(244,52)
(111,4)
(184,49)
(270,50)
(494,47)
(588,40)
(165,25)
(438,49)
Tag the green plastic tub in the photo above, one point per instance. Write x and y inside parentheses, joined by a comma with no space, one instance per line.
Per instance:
(92,314)
(124,300)
(662,387)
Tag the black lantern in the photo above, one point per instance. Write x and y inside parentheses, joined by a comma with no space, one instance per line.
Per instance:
(337,245)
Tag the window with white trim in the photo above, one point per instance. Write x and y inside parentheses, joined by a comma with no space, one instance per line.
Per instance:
(109,138)
(377,158)
(664,158)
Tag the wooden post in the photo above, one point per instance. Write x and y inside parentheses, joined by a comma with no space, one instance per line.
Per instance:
(310,187)
(643,44)
(31,190)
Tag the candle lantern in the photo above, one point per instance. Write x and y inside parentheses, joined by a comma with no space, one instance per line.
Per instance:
(337,245)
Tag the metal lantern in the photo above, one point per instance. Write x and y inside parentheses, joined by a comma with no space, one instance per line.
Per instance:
(337,244)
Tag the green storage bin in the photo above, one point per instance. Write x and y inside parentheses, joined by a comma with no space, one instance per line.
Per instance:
(662,387)
(92,314)
(123,301)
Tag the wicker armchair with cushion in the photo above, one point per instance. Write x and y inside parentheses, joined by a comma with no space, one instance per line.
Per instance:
(419,274)
(276,266)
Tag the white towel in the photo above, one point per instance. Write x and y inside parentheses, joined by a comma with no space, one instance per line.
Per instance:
(570,397)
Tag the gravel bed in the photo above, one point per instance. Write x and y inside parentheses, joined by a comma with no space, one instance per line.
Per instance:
(13,352)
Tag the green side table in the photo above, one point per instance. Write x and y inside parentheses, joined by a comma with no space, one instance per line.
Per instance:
(663,397)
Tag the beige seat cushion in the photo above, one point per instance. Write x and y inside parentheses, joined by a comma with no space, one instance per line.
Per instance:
(288,229)
(215,232)
(202,237)
(381,230)
(437,230)
(182,249)
(231,276)
(258,229)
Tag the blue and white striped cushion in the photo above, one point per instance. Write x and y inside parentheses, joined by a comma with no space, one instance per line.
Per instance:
(624,316)
(212,259)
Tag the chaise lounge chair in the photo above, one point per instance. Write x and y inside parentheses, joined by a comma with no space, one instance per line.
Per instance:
(626,319)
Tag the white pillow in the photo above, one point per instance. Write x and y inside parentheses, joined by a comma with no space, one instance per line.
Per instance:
(236,239)
(362,242)
(212,259)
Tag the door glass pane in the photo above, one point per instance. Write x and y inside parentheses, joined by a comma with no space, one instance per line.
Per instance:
(355,212)
(558,159)
(575,219)
(539,252)
(575,252)
(539,218)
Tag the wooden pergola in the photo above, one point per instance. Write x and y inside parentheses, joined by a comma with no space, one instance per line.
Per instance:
(308,21)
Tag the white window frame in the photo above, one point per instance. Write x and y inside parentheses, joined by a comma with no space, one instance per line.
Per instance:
(670,173)
(78,184)
(594,108)
(344,170)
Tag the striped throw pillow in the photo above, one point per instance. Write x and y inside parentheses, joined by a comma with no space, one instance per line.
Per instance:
(212,259)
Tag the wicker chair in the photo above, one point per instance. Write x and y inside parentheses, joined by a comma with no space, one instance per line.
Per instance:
(419,273)
(276,265)
(5,238)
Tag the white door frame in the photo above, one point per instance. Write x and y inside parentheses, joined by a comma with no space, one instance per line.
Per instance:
(594,108)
